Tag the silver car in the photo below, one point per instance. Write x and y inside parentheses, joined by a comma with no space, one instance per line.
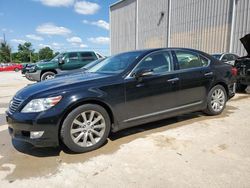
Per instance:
(226,57)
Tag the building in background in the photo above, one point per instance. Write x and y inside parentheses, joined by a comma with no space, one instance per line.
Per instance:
(208,25)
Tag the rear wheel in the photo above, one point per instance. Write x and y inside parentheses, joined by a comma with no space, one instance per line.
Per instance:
(86,128)
(241,87)
(16,69)
(216,100)
(47,76)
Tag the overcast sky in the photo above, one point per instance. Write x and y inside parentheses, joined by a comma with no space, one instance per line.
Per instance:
(60,24)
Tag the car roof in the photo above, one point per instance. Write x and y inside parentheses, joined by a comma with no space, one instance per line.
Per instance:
(224,53)
(78,51)
(217,53)
(147,51)
(159,49)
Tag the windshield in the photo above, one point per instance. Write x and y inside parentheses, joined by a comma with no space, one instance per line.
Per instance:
(116,64)
(216,56)
(55,59)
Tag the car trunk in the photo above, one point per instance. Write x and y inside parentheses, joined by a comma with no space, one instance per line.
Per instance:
(246,43)
(243,63)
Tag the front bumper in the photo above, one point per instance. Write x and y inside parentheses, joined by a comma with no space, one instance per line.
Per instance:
(231,90)
(20,127)
(33,76)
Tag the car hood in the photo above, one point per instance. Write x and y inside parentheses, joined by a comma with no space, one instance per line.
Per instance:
(38,64)
(246,42)
(41,64)
(59,85)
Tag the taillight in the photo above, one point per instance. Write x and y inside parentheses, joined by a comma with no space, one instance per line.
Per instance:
(234,71)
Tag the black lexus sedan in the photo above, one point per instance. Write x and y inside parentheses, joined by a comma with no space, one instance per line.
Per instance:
(124,90)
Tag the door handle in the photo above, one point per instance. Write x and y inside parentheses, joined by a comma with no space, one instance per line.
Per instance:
(208,74)
(140,85)
(173,80)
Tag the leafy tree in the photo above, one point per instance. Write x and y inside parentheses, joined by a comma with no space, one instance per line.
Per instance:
(35,57)
(15,57)
(5,52)
(25,52)
(45,53)
(55,54)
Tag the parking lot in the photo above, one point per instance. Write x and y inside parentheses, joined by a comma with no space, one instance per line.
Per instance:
(193,150)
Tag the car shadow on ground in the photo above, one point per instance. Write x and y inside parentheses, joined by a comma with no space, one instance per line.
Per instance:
(29,149)
(133,132)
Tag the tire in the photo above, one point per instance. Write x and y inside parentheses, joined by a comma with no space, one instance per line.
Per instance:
(216,100)
(241,87)
(16,69)
(47,76)
(86,139)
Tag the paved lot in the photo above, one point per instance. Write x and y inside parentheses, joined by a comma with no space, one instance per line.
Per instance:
(192,150)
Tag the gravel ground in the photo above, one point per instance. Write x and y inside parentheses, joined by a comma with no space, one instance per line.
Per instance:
(192,150)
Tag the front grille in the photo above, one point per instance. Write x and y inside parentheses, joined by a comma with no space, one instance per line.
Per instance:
(14,104)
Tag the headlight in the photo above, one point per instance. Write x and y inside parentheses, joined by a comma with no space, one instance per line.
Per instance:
(32,69)
(39,105)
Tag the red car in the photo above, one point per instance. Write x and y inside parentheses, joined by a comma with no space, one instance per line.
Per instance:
(10,67)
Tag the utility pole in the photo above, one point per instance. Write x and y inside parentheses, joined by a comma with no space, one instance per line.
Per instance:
(30,58)
(232,25)
(4,40)
(169,23)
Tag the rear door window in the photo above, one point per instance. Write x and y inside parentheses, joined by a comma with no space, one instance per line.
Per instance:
(189,60)
(73,56)
(87,56)
(233,57)
(226,58)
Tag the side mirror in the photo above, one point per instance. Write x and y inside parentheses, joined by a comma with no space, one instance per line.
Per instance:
(61,61)
(143,73)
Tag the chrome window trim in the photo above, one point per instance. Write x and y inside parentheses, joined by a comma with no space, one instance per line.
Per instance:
(172,59)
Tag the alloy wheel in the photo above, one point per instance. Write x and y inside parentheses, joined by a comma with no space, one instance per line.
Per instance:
(88,128)
(50,76)
(218,100)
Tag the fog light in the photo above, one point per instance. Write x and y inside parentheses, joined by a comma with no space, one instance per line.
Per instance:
(36,134)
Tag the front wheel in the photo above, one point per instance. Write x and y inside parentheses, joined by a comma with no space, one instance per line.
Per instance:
(216,100)
(86,128)
(16,69)
(47,76)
